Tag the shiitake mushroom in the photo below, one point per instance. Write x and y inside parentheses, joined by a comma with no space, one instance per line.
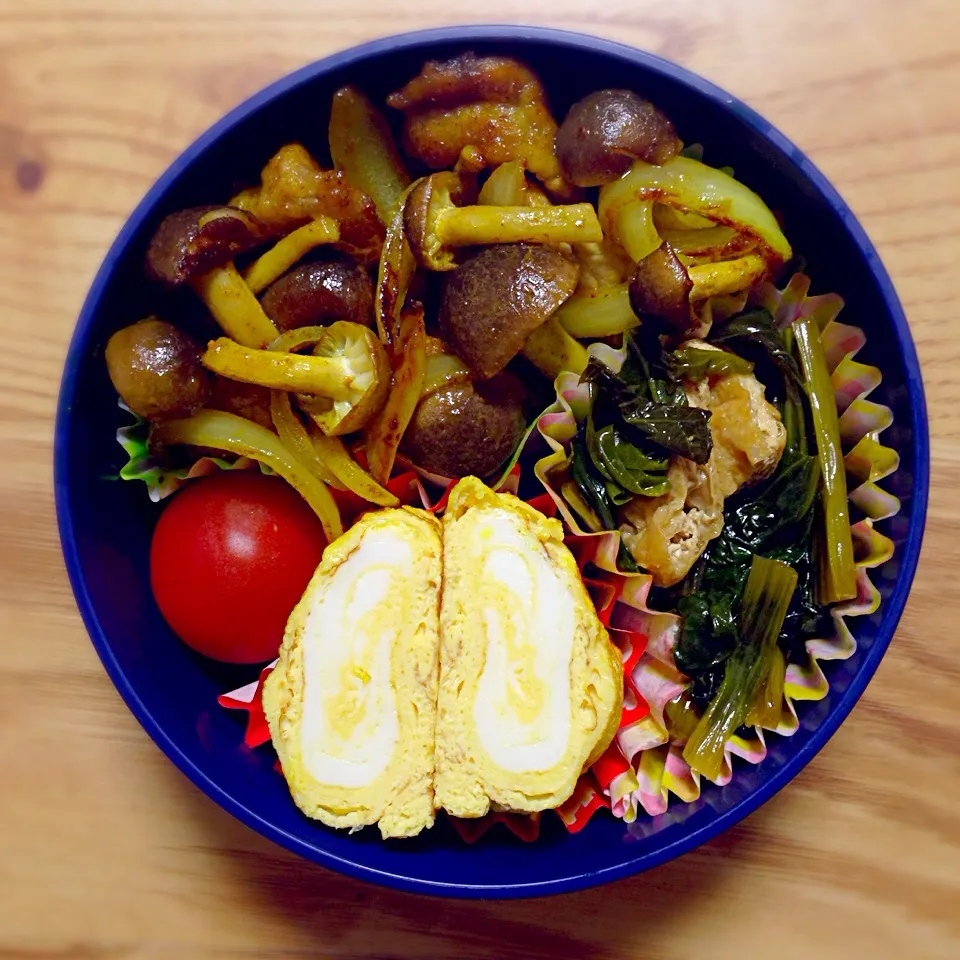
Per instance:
(606,131)
(467,428)
(493,301)
(156,370)
(320,292)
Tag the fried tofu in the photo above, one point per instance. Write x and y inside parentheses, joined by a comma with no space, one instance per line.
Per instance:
(666,534)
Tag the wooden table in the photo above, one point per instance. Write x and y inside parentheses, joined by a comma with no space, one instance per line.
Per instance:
(107,851)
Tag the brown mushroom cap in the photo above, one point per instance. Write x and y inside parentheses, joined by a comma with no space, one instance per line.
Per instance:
(194,241)
(661,288)
(317,293)
(467,429)
(156,370)
(427,199)
(606,131)
(247,400)
(495,299)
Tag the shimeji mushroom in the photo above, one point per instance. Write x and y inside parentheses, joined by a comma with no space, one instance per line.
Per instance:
(341,385)
(436,226)
(156,370)
(319,292)
(462,428)
(288,250)
(197,246)
(664,286)
(191,242)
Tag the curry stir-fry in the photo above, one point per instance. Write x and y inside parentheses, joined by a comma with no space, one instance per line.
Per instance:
(419,298)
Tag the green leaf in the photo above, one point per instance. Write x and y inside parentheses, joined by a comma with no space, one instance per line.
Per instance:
(646,366)
(695,363)
(655,411)
(592,487)
(629,467)
(756,330)
(618,496)
(771,518)
(701,646)
(681,430)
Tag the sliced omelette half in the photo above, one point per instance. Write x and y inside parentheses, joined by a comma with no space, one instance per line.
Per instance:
(531,687)
(352,702)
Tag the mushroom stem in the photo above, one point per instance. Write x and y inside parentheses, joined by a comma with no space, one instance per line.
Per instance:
(331,377)
(234,306)
(482,225)
(286,252)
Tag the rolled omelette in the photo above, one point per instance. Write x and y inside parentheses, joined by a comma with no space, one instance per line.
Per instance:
(531,686)
(351,704)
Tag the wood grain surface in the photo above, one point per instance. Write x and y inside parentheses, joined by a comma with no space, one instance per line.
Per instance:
(107,851)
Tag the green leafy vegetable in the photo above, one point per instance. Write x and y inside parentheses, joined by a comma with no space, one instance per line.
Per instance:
(681,430)
(755,332)
(708,636)
(647,371)
(774,520)
(780,515)
(743,690)
(649,403)
(695,363)
(624,469)
(838,579)
(591,486)
(629,467)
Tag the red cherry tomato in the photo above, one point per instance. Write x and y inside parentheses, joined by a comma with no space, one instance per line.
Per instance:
(230,558)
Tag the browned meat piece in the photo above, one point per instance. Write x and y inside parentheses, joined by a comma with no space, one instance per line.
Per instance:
(294,190)
(495,105)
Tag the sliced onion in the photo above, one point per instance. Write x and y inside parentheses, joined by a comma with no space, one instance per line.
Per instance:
(442,369)
(385,430)
(715,243)
(600,313)
(693,187)
(630,222)
(727,277)
(293,434)
(335,457)
(233,434)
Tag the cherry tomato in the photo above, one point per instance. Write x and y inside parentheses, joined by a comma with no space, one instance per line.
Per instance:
(230,558)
